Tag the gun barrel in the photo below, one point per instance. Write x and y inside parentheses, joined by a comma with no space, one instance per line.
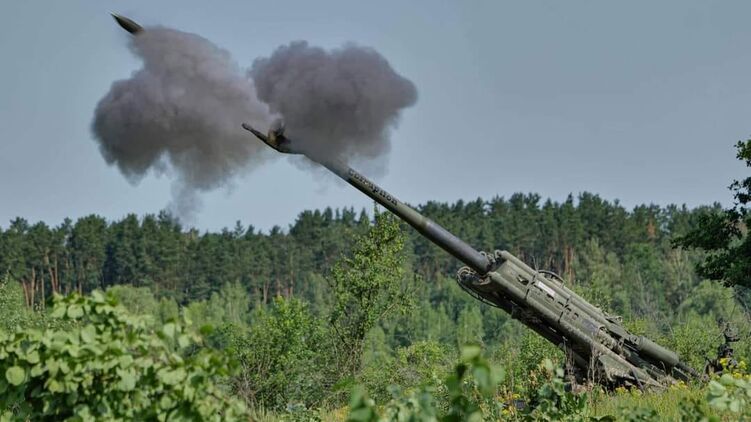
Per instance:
(427,227)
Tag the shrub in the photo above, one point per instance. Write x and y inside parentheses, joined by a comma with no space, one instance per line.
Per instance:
(422,364)
(280,357)
(469,389)
(550,401)
(13,311)
(109,365)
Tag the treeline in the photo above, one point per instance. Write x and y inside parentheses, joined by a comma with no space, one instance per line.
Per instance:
(339,300)
(155,251)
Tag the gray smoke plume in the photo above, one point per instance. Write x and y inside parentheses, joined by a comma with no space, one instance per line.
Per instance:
(341,103)
(181,114)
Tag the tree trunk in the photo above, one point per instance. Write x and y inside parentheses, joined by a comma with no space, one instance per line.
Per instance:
(68,274)
(55,277)
(32,285)
(26,293)
(41,279)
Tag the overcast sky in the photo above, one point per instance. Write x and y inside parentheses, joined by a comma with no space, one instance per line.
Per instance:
(636,101)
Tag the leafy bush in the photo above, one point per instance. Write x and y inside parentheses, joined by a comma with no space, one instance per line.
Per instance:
(473,382)
(109,365)
(422,364)
(279,356)
(551,401)
(696,339)
(731,393)
(137,300)
(521,355)
(367,286)
(13,310)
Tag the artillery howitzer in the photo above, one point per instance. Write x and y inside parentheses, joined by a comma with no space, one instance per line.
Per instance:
(597,344)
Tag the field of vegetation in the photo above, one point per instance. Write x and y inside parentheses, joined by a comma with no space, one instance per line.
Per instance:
(345,316)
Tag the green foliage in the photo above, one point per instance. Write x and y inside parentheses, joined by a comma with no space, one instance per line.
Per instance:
(167,310)
(230,305)
(280,356)
(469,326)
(732,394)
(711,299)
(13,311)
(109,365)
(422,364)
(598,273)
(464,397)
(155,251)
(695,339)
(299,413)
(432,318)
(695,411)
(362,408)
(724,235)
(638,414)
(137,300)
(344,323)
(472,382)
(551,402)
(376,349)
(367,286)
(522,355)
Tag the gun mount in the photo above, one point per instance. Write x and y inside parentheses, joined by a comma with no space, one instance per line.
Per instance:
(597,343)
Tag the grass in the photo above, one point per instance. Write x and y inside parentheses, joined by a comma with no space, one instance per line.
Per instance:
(667,404)
(621,404)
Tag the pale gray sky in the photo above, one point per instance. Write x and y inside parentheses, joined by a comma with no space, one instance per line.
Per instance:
(640,101)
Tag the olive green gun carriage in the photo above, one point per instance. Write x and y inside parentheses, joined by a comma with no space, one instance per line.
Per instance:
(597,344)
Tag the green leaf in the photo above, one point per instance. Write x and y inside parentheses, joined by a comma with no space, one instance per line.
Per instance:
(727,379)
(172,377)
(37,370)
(97,296)
(716,389)
(125,361)
(32,357)
(15,375)
(361,415)
(127,380)
(470,352)
(169,330)
(75,311)
(357,396)
(166,403)
(482,376)
(475,417)
(183,341)
(735,406)
(88,334)
(54,387)
(58,311)
(52,366)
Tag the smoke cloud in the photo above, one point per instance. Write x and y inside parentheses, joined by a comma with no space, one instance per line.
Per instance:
(340,103)
(180,114)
